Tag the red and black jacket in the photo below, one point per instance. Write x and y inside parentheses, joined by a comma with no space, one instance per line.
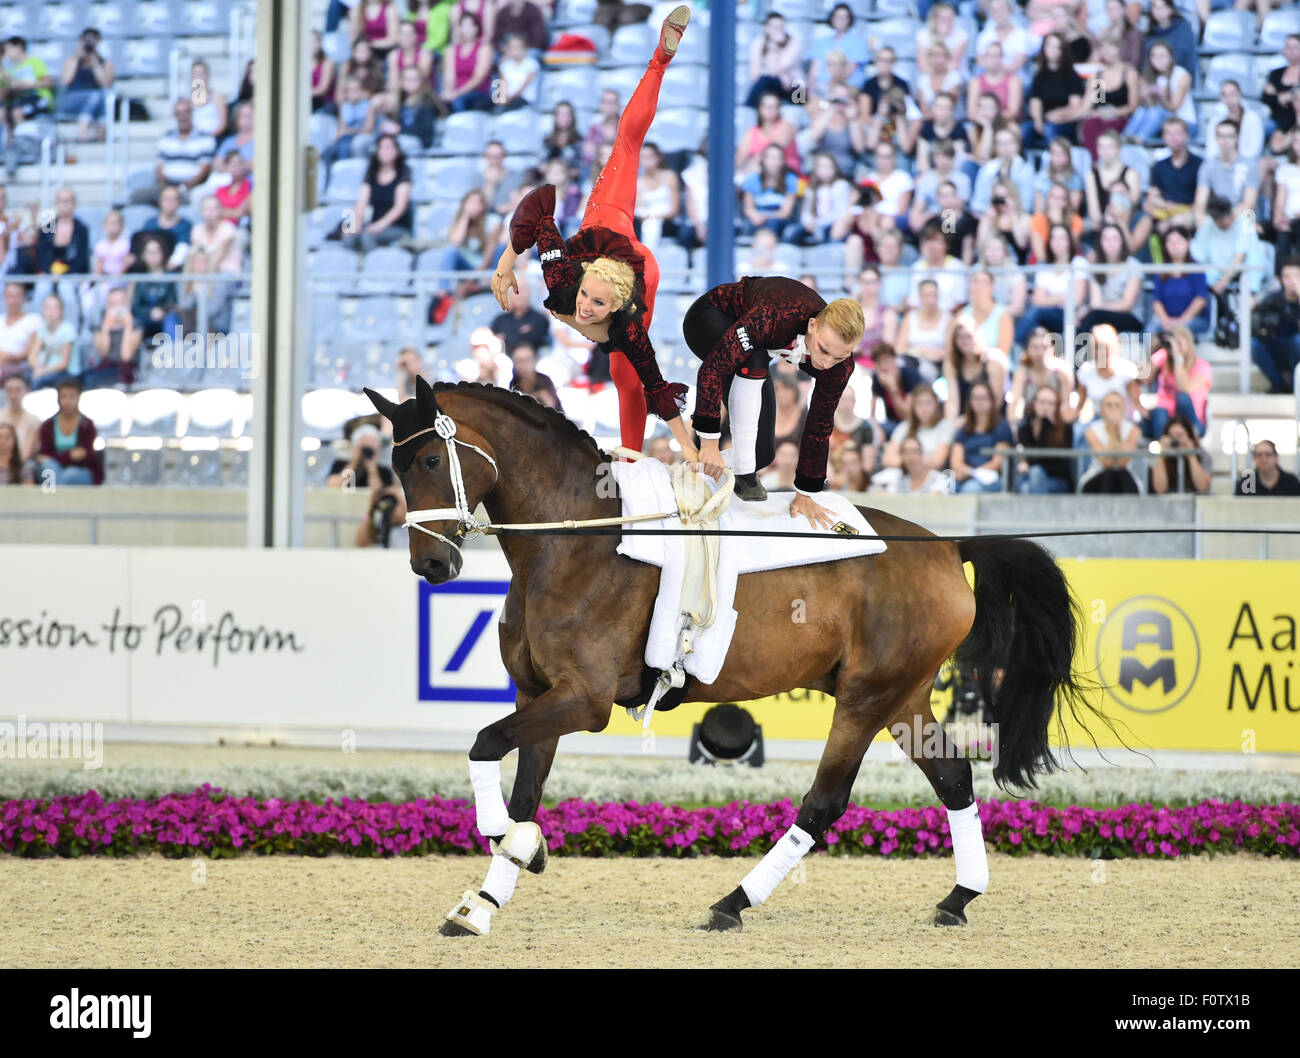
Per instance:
(771,313)
(534,224)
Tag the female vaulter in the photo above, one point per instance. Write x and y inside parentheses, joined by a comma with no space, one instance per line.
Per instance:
(602,282)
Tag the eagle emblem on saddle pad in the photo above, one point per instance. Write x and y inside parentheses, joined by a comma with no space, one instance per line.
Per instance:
(844,529)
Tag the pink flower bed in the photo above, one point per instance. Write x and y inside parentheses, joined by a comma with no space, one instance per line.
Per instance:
(207,821)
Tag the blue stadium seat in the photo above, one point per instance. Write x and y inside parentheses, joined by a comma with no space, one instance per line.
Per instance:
(575,12)
(134,467)
(321,221)
(571,86)
(1229,31)
(673,258)
(386,259)
(519,130)
(898,33)
(895,9)
(439,222)
(114,19)
(829,256)
(107,409)
(203,18)
(464,133)
(322,130)
(633,45)
(155,413)
(375,318)
(192,469)
(337,262)
(1278,26)
(21,20)
(135,216)
(211,413)
(449,180)
(1139,158)
(1229,67)
(683,92)
(345,180)
(623,81)
(324,411)
(64,21)
(146,57)
(156,18)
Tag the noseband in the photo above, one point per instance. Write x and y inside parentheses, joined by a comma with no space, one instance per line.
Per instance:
(466,523)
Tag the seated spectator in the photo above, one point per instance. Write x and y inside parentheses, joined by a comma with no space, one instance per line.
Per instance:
(52,352)
(117,342)
(63,246)
(835,130)
(520,76)
(362,467)
(940,78)
(221,240)
(1275,326)
(1107,370)
(245,94)
(152,294)
(563,141)
(842,39)
(408,55)
(996,80)
(982,427)
(472,243)
(487,362)
(760,258)
(173,230)
(523,19)
(1113,296)
(880,323)
(982,127)
(1040,367)
(988,320)
(892,383)
(1007,222)
(943,126)
(1120,19)
(660,447)
(1055,99)
(1058,168)
(467,68)
(943,168)
(825,201)
(384,195)
(941,28)
(66,453)
(1168,27)
(356,117)
(1006,166)
(212,297)
(27,93)
(26,425)
(1044,427)
(605,127)
(1018,45)
(527,379)
(496,181)
(848,470)
(850,429)
(1178,444)
(791,409)
(16,329)
(1174,181)
(969,362)
(1266,479)
(1108,170)
(1009,287)
(1180,297)
(658,199)
(1047,303)
(894,184)
(1112,92)
(377,21)
(780,476)
(569,195)
(927,423)
(1182,380)
(523,324)
(895,280)
(365,66)
(85,77)
(1250,129)
(410,111)
(938,264)
(236,197)
(408,367)
(211,111)
(913,475)
(1229,176)
(1125,213)
(894,119)
(775,61)
(1281,94)
(1225,242)
(184,157)
(1057,209)
(771,130)
(1286,204)
(1111,431)
(322,74)
(769,197)
(883,83)
(923,333)
(14,469)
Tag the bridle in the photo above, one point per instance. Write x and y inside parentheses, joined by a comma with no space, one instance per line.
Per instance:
(466,523)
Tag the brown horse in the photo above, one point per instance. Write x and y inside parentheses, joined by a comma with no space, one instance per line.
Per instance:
(576,618)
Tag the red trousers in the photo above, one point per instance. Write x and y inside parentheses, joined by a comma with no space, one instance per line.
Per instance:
(611,205)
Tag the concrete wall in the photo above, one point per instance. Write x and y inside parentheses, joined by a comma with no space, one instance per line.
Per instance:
(216,517)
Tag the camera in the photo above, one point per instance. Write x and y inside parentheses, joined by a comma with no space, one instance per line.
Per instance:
(368,453)
(1000,200)
(381,518)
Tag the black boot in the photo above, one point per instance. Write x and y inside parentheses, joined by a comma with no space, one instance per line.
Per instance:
(748,488)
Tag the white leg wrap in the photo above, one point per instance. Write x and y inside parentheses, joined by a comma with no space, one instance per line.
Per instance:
(780,861)
(489,805)
(968,848)
(745,404)
(501,878)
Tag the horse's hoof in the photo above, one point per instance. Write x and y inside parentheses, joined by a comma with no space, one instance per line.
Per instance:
(471,917)
(538,863)
(943,917)
(454,929)
(720,921)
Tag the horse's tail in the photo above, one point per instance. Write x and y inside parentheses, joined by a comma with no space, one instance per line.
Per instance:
(1022,648)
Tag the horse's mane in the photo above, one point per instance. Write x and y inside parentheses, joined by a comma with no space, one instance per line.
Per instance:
(527,407)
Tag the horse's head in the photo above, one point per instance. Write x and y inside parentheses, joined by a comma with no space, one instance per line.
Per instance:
(446,469)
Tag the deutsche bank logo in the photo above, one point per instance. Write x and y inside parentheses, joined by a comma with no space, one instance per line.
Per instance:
(458,650)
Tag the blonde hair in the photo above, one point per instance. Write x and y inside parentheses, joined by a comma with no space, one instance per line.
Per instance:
(617,274)
(844,317)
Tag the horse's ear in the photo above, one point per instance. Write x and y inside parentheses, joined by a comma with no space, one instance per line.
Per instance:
(425,403)
(382,404)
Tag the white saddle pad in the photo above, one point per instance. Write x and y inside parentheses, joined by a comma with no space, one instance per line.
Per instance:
(645,488)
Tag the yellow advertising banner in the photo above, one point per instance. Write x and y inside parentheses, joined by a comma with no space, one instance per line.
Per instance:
(1191,655)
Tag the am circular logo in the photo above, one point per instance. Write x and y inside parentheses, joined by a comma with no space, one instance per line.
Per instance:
(1148,654)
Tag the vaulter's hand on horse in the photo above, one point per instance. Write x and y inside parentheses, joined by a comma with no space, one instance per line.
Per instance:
(821,517)
(708,460)
(501,283)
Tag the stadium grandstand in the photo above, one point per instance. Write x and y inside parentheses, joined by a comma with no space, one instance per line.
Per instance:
(1086,198)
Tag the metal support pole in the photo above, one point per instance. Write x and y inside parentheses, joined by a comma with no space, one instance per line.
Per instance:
(722,143)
